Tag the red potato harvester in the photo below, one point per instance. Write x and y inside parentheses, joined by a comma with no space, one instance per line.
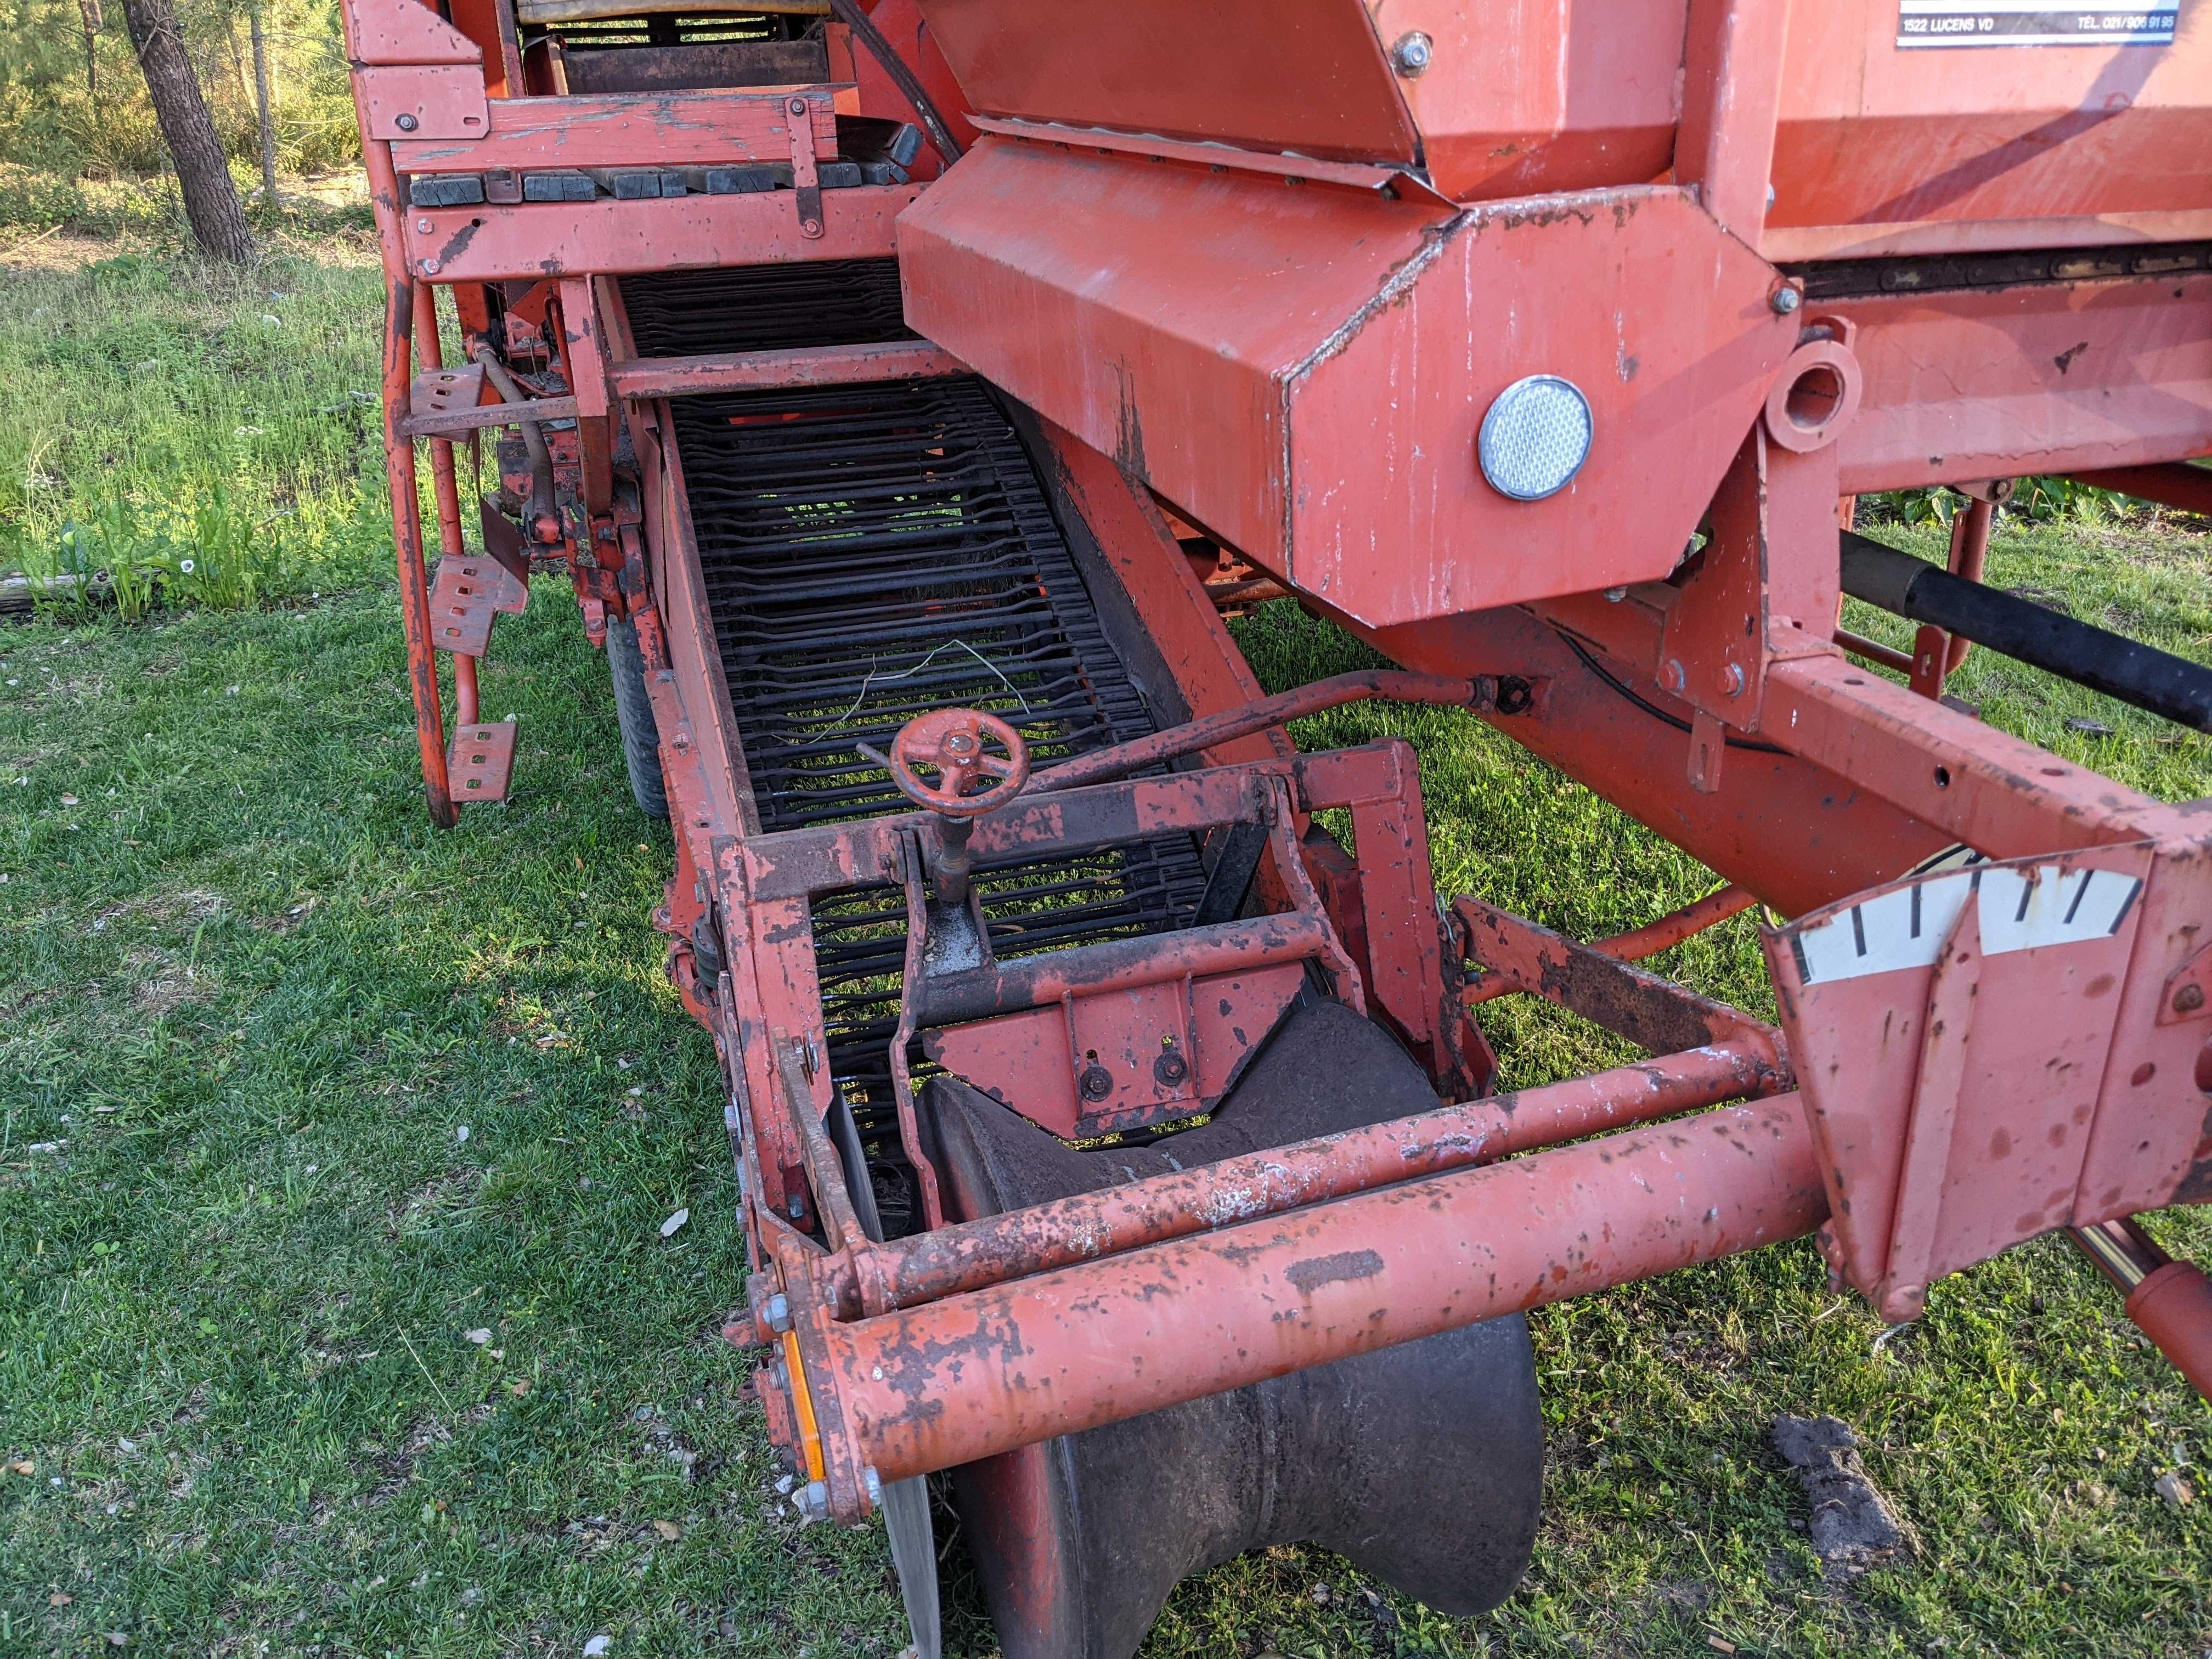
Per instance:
(906,389)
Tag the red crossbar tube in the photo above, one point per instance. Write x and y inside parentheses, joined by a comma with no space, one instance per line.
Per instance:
(1232,723)
(997,1249)
(928,1388)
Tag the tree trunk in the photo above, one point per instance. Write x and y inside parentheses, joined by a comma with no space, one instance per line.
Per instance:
(263,106)
(88,10)
(210,199)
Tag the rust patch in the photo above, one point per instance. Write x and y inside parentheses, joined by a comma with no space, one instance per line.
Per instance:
(2196,1186)
(1314,1272)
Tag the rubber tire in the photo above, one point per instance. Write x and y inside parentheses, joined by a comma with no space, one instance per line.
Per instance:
(641,732)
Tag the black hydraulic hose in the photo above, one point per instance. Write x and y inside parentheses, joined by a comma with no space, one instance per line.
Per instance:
(542,503)
(864,29)
(2138,674)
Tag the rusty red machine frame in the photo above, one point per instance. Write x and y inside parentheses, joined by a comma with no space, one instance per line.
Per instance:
(1255,320)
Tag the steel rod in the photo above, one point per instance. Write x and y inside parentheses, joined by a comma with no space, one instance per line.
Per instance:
(1874,651)
(1194,735)
(2135,673)
(1118,964)
(1671,930)
(429,355)
(970,1254)
(2170,1301)
(399,468)
(928,1388)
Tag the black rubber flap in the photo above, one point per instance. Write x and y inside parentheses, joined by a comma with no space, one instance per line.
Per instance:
(1422,1464)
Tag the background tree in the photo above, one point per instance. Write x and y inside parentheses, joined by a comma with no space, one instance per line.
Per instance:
(211,202)
(264,108)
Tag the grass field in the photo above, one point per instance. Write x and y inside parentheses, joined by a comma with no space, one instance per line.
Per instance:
(336,1316)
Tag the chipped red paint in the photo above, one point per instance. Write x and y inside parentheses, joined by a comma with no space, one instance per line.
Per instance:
(990,1369)
(968,1255)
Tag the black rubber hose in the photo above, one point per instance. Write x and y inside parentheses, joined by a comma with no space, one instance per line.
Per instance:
(864,29)
(2137,674)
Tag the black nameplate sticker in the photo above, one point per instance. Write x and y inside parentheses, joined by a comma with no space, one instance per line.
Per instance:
(2030,23)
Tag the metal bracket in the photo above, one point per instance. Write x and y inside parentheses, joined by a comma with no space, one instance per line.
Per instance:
(481,762)
(806,178)
(470,590)
(440,390)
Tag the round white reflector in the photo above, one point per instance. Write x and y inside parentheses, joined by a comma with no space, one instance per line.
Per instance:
(1536,437)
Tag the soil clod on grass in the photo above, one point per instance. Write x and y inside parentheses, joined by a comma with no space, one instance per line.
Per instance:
(1853,1529)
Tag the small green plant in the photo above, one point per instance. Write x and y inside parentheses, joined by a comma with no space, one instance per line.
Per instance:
(2040,500)
(222,560)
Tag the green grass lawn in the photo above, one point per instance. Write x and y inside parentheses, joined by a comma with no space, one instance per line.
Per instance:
(335,1315)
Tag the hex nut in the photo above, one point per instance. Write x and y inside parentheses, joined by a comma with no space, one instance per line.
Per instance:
(1169,1070)
(405,122)
(814,1502)
(2189,998)
(1095,1083)
(1785,300)
(1413,54)
(778,1312)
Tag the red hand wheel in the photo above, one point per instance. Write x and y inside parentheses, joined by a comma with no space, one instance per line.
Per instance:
(953,743)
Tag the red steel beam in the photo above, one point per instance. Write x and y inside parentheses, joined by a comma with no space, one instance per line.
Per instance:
(742,371)
(610,238)
(628,130)
(928,1388)
(1636,944)
(452,422)
(995,1250)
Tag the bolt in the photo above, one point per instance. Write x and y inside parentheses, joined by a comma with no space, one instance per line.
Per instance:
(1785,300)
(1671,675)
(405,122)
(1170,1069)
(814,1502)
(423,225)
(799,106)
(1411,55)
(2188,999)
(874,1484)
(430,267)
(1732,680)
(1615,595)
(778,1312)
(795,1206)
(810,226)
(1095,1083)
